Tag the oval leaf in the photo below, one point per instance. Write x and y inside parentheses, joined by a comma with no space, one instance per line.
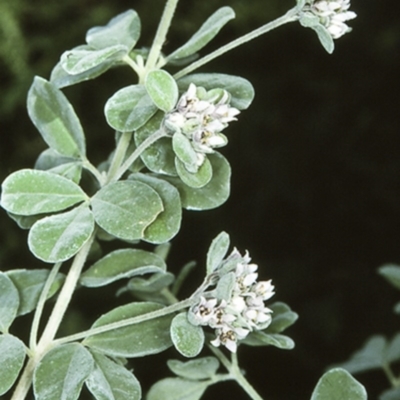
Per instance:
(391,273)
(30,192)
(9,302)
(217,251)
(168,222)
(119,264)
(338,384)
(55,119)
(123,29)
(200,368)
(185,151)
(205,34)
(148,337)
(325,38)
(162,89)
(260,338)
(59,237)
(111,381)
(198,179)
(129,108)
(177,389)
(187,338)
(61,372)
(282,317)
(125,209)
(12,356)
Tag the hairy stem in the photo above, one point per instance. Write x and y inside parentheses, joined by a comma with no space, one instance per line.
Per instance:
(120,151)
(290,16)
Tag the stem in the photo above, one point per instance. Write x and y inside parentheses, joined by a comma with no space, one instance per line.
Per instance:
(25,381)
(97,174)
(390,375)
(290,16)
(127,322)
(39,309)
(139,150)
(120,151)
(161,33)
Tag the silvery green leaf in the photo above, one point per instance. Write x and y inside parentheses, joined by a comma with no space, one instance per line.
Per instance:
(260,338)
(301,4)
(205,34)
(12,356)
(325,38)
(155,283)
(187,338)
(338,384)
(61,373)
(59,237)
(198,179)
(391,394)
(392,352)
(29,284)
(71,171)
(50,158)
(124,29)
(391,273)
(183,149)
(26,222)
(177,389)
(225,286)
(30,192)
(120,264)
(138,340)
(129,108)
(112,381)
(162,89)
(282,317)
(9,302)
(55,119)
(125,209)
(240,89)
(197,369)
(309,20)
(217,251)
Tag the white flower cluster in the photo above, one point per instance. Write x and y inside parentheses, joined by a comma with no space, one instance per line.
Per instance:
(201,116)
(243,312)
(333,14)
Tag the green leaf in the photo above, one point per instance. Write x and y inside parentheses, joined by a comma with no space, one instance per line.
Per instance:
(217,251)
(159,157)
(71,171)
(198,179)
(309,20)
(212,195)
(162,89)
(9,302)
(177,389)
(185,152)
(30,192)
(260,338)
(392,353)
(205,34)
(26,222)
(138,340)
(81,60)
(59,237)
(124,29)
(29,284)
(282,318)
(111,381)
(61,373)
(126,208)
(325,38)
(55,119)
(187,338)
(168,222)
(338,384)
(12,356)
(391,394)
(240,89)
(49,159)
(225,286)
(391,273)
(129,108)
(200,368)
(120,264)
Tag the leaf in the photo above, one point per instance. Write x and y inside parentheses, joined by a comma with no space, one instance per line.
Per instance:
(338,384)
(71,171)
(129,108)
(111,381)
(61,373)
(200,368)
(120,264)
(55,119)
(390,394)
(217,251)
(168,222)
(177,389)
(205,34)
(392,353)
(29,284)
(138,340)
(49,159)
(185,152)
(240,89)
(282,317)
(210,196)
(81,60)
(30,192)
(198,179)
(391,273)
(124,29)
(126,208)
(155,283)
(187,338)
(162,89)
(225,286)
(325,38)
(260,338)
(26,222)
(59,237)
(9,302)
(12,356)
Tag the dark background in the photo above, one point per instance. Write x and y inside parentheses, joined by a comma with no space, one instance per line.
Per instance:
(316,171)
